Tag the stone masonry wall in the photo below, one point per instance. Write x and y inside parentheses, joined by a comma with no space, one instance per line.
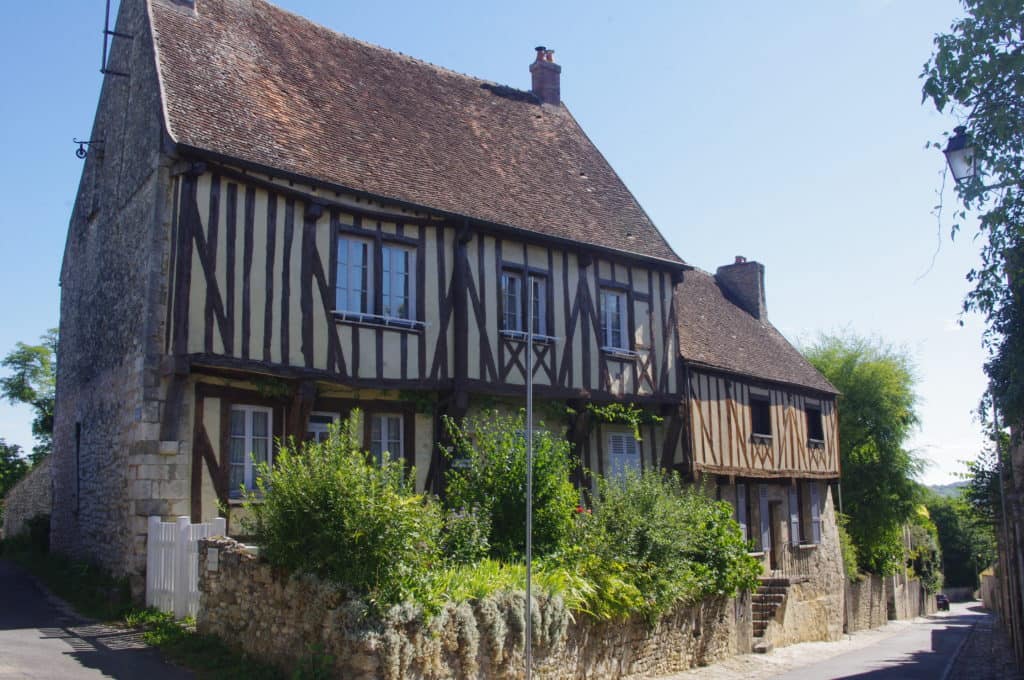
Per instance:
(108,461)
(866,604)
(30,497)
(254,607)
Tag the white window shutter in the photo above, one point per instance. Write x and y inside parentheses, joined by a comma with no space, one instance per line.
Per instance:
(741,508)
(794,517)
(815,513)
(766,534)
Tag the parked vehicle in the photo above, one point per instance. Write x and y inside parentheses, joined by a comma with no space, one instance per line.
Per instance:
(942,602)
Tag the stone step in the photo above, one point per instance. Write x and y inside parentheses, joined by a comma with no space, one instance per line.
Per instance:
(768,599)
(781,582)
(770,590)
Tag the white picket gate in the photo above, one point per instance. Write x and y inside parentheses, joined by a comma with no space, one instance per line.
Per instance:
(172,563)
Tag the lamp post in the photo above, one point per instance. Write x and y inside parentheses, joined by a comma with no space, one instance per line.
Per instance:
(959,153)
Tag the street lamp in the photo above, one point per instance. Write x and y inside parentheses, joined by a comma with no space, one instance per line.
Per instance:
(960,155)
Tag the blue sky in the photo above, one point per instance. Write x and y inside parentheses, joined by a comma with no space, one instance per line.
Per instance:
(791,133)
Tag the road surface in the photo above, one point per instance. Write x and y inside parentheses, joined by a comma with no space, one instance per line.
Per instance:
(41,639)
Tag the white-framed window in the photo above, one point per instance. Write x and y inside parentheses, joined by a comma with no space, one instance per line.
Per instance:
(352,284)
(358,280)
(250,443)
(614,334)
(513,303)
(386,436)
(397,290)
(623,454)
(319,425)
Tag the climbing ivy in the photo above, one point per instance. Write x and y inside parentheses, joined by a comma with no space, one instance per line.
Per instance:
(627,414)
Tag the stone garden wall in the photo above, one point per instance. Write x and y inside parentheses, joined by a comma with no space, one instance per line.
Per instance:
(866,604)
(32,496)
(253,606)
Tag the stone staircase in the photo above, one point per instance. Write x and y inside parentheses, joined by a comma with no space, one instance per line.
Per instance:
(765,601)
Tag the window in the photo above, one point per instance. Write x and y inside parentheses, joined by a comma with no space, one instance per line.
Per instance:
(396,282)
(513,301)
(764,514)
(249,445)
(352,293)
(386,437)
(319,425)
(623,454)
(815,427)
(760,416)
(358,280)
(613,320)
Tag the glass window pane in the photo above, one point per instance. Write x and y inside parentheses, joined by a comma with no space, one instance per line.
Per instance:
(260,424)
(237,423)
(260,446)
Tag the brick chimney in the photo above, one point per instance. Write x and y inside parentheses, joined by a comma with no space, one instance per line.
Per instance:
(743,281)
(547,77)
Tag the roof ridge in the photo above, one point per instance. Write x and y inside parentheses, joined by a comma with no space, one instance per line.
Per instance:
(374,46)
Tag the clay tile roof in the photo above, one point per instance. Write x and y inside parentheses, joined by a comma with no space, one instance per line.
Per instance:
(714,332)
(250,81)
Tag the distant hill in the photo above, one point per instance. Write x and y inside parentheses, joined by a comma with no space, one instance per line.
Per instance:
(948,490)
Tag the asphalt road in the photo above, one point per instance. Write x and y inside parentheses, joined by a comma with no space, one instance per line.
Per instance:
(924,650)
(43,640)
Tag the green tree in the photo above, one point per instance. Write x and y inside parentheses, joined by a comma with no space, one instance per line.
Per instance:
(12,468)
(976,73)
(967,540)
(877,412)
(33,381)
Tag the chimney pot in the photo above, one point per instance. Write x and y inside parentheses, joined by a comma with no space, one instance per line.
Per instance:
(743,282)
(547,77)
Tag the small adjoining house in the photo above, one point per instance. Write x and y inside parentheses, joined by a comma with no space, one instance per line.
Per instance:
(281,223)
(763,430)
(277,224)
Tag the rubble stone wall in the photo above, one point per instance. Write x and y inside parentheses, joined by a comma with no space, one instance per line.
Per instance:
(30,497)
(253,606)
(866,604)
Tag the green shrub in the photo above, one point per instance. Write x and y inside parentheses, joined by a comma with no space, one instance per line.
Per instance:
(848,549)
(650,544)
(328,509)
(465,539)
(493,478)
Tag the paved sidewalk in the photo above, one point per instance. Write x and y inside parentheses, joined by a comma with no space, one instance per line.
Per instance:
(987,654)
(984,654)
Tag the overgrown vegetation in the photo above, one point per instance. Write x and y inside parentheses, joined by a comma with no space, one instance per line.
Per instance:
(646,545)
(851,566)
(967,539)
(877,413)
(33,381)
(328,509)
(924,556)
(491,476)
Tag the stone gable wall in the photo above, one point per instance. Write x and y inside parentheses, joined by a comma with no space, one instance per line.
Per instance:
(252,606)
(30,497)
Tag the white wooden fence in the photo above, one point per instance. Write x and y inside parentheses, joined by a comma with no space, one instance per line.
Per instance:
(172,563)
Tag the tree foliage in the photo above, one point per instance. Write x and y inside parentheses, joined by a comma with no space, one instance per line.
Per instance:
(490,475)
(966,537)
(976,73)
(877,413)
(33,381)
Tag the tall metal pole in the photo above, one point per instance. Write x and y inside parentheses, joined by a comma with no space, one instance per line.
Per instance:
(529,475)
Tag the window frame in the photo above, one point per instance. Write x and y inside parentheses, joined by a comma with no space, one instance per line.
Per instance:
(316,429)
(606,326)
(755,403)
(248,464)
(385,420)
(380,249)
(517,314)
(619,472)
(819,429)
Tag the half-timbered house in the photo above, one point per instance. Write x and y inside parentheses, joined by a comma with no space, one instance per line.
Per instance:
(762,432)
(278,224)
